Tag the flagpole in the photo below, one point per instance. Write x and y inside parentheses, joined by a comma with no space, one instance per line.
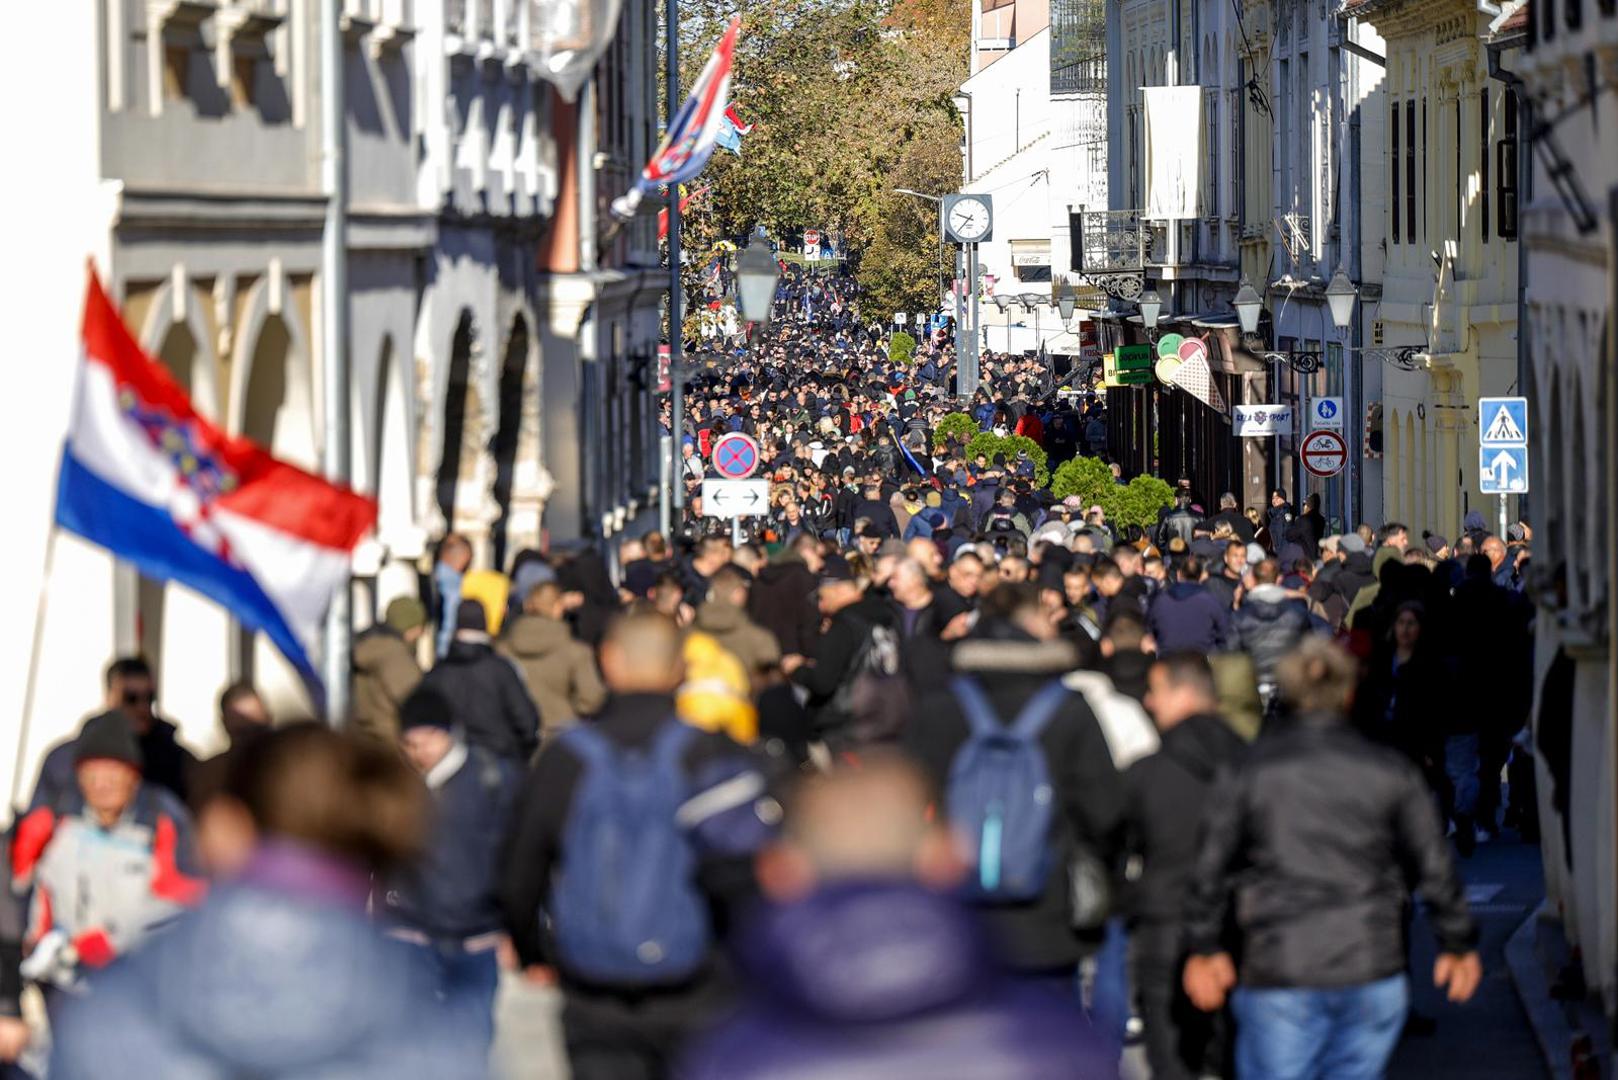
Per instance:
(33,668)
(676,492)
(334,334)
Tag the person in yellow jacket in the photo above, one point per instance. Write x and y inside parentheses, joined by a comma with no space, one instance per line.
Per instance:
(489,588)
(716,695)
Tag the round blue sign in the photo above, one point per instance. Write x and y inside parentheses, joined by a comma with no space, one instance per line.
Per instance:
(735,457)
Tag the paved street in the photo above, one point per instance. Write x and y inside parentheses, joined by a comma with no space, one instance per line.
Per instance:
(1489,1036)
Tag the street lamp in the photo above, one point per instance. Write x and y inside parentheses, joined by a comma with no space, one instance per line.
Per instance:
(917,194)
(1151,306)
(1001,302)
(1340,297)
(1248,304)
(756,273)
(1065,304)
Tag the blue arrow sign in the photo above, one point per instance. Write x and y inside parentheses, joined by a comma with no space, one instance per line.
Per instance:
(1503,469)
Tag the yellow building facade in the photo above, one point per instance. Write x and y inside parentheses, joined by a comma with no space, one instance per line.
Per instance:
(1450,284)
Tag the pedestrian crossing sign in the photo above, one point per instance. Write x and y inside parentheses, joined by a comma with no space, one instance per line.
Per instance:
(1503,421)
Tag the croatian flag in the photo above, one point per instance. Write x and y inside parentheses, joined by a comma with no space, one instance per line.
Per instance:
(160,487)
(732,130)
(689,141)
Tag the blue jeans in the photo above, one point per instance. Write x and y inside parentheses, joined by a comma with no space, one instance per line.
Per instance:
(1461,764)
(1108,997)
(464,983)
(1299,1034)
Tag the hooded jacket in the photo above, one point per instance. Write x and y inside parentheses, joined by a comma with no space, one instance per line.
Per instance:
(491,704)
(560,671)
(1311,848)
(884,978)
(738,635)
(385,672)
(1164,797)
(1011,667)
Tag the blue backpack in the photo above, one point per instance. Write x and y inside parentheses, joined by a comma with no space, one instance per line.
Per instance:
(625,903)
(1000,794)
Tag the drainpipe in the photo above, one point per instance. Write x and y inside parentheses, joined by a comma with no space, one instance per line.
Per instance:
(1525,128)
(339,633)
(590,441)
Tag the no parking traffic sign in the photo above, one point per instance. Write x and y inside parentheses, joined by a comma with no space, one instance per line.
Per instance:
(1324,453)
(735,456)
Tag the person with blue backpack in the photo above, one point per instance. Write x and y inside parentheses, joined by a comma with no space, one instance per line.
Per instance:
(1029,787)
(631,847)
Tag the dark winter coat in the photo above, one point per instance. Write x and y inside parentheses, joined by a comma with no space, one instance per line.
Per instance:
(1312,848)
(1164,797)
(831,1001)
(449,893)
(880,515)
(1186,617)
(1405,706)
(489,699)
(1038,935)
(782,601)
(831,666)
(1269,624)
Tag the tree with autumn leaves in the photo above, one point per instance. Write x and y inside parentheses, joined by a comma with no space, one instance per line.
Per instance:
(848,99)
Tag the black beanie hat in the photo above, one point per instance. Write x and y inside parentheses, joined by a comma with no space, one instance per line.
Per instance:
(426,707)
(108,737)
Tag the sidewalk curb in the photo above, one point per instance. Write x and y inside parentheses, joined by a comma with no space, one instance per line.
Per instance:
(1545,1016)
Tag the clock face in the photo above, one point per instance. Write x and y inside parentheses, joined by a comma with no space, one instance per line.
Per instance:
(969,219)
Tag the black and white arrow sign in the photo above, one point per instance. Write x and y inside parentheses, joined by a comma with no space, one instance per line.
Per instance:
(735,498)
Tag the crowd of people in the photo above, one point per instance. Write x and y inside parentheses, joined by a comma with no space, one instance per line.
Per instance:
(932,774)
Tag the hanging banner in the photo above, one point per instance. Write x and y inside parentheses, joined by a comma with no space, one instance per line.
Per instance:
(1173,151)
(569,36)
(1261,420)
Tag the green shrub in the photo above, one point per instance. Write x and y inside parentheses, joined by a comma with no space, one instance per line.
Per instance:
(957,425)
(1088,478)
(1138,502)
(901,347)
(989,444)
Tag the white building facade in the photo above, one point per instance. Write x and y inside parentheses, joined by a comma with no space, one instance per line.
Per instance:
(185,162)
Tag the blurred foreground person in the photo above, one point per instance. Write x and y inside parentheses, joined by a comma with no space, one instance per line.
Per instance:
(632,838)
(443,906)
(1311,850)
(109,862)
(864,966)
(280,974)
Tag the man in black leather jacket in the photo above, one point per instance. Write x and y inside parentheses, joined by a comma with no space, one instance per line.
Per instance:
(1312,847)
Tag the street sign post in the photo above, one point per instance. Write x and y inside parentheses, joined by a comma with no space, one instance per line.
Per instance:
(1324,453)
(735,456)
(1326,412)
(1503,449)
(735,498)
